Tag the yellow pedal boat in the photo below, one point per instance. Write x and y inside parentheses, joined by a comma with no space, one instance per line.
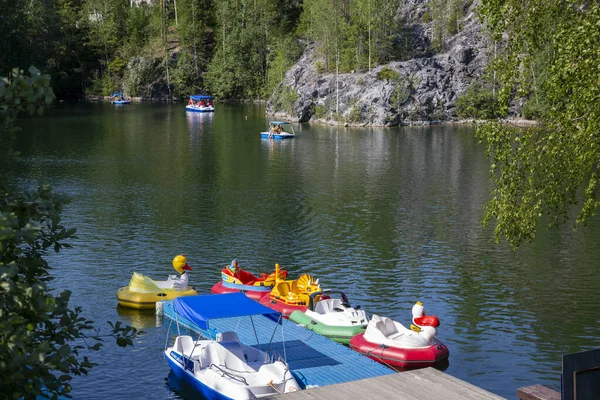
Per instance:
(288,296)
(143,292)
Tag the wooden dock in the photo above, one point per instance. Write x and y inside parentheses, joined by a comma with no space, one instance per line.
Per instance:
(420,384)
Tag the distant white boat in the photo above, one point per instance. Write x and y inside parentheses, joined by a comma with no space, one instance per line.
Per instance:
(200,103)
(225,368)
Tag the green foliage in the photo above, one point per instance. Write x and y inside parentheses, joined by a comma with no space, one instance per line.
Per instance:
(239,67)
(18,94)
(355,114)
(351,35)
(285,98)
(117,66)
(184,77)
(103,84)
(477,102)
(539,171)
(286,53)
(40,336)
(319,67)
(320,110)
(446,16)
(403,88)
(138,29)
(532,110)
(387,74)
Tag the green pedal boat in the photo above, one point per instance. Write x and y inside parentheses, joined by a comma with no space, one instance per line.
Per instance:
(332,317)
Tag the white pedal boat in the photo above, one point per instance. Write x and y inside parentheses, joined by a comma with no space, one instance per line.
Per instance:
(332,317)
(225,368)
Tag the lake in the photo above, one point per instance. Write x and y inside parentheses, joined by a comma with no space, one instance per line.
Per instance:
(387,215)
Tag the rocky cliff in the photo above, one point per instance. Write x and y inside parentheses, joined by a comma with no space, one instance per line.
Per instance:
(423,89)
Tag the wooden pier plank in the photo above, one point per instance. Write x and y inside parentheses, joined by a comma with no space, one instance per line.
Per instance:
(421,384)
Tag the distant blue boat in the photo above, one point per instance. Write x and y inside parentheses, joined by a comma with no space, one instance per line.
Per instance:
(200,103)
(277,132)
(119,98)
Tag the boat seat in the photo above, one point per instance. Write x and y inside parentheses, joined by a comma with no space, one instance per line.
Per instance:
(391,331)
(323,307)
(235,348)
(283,289)
(228,336)
(294,287)
(380,325)
(232,357)
(184,345)
(389,327)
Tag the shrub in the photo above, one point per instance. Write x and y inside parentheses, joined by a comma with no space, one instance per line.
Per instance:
(477,102)
(387,73)
(319,67)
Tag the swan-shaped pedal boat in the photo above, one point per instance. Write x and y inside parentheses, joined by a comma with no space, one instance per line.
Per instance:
(334,317)
(143,292)
(391,344)
(288,296)
(234,279)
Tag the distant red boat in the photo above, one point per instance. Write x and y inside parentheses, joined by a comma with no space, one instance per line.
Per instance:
(234,279)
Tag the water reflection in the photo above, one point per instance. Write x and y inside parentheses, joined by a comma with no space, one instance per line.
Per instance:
(389,216)
(139,319)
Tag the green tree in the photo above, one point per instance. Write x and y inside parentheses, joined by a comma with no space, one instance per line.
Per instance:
(41,337)
(107,24)
(539,171)
(352,35)
(245,30)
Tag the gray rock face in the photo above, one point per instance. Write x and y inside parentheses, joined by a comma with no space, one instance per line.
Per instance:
(417,91)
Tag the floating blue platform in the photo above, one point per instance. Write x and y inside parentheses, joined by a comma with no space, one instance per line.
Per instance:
(313,359)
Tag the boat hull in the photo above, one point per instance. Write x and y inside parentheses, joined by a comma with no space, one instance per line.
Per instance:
(399,356)
(147,300)
(187,377)
(196,109)
(121,102)
(284,308)
(340,334)
(254,292)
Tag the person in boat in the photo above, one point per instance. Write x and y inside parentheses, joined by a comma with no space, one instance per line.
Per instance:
(233,267)
(180,264)
(275,130)
(201,103)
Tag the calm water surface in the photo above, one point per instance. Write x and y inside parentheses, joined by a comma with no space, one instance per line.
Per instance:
(389,216)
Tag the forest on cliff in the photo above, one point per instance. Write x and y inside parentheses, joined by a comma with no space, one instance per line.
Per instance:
(235,49)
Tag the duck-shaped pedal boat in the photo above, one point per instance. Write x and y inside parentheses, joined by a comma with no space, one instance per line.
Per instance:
(332,317)
(234,279)
(390,343)
(143,292)
(288,296)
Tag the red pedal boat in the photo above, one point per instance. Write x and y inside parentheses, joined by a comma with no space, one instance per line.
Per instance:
(390,343)
(235,279)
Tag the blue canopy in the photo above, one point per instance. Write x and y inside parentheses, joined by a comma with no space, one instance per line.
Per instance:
(200,97)
(278,123)
(201,309)
(117,94)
